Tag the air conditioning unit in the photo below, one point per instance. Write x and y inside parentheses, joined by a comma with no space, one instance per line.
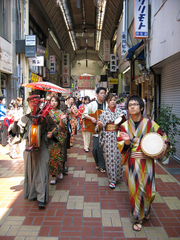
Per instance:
(3,83)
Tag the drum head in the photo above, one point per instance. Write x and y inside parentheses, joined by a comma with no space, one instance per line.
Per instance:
(117,120)
(152,144)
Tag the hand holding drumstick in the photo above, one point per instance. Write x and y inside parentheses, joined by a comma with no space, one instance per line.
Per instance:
(49,134)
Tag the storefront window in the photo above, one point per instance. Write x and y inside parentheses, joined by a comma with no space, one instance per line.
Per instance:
(5,19)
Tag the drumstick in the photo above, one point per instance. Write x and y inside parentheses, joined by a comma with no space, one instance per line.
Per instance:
(53,130)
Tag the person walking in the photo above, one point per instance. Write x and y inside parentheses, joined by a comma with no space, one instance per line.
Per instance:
(86,135)
(36,181)
(140,169)
(91,108)
(2,116)
(64,109)
(15,112)
(56,148)
(108,140)
(74,120)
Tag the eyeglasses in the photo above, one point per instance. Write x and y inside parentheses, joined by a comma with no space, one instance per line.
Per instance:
(133,104)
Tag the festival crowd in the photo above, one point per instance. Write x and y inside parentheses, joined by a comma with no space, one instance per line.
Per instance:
(49,127)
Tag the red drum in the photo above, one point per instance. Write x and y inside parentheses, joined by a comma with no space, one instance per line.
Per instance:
(34,137)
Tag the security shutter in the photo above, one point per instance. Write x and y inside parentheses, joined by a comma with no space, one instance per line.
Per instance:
(170,91)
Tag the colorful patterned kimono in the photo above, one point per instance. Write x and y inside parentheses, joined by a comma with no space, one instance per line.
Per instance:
(85,133)
(108,139)
(56,148)
(140,170)
(73,122)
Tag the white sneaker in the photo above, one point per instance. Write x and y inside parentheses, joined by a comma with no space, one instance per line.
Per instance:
(60,176)
(52,182)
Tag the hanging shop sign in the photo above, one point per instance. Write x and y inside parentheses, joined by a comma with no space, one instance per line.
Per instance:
(38,61)
(66,70)
(52,64)
(35,78)
(113,81)
(113,63)
(86,82)
(5,56)
(141,19)
(106,48)
(30,45)
(124,47)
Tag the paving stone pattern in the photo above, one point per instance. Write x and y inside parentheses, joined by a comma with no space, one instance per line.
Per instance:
(82,206)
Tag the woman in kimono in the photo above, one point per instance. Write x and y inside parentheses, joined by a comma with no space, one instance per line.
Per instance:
(56,148)
(85,133)
(108,139)
(73,121)
(36,180)
(140,169)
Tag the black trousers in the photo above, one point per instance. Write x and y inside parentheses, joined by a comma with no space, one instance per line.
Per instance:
(98,153)
(4,133)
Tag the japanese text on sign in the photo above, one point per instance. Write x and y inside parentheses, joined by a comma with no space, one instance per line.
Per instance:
(52,64)
(113,63)
(66,70)
(106,50)
(35,78)
(141,19)
(124,47)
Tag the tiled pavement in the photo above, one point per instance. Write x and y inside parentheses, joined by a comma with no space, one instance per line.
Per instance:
(82,206)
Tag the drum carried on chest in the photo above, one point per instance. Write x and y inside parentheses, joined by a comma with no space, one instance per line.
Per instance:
(34,137)
(152,144)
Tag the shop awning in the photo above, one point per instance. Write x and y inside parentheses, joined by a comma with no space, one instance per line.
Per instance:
(132,50)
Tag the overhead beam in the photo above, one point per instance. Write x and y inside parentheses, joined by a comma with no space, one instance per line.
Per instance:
(48,20)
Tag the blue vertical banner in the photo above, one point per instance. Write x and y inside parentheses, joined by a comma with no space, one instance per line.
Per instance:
(140,19)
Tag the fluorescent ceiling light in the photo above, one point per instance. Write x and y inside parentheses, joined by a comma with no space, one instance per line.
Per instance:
(54,38)
(67,18)
(99,23)
(127,69)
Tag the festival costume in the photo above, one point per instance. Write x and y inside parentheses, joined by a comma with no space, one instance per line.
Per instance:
(73,122)
(140,171)
(36,181)
(108,139)
(56,148)
(86,135)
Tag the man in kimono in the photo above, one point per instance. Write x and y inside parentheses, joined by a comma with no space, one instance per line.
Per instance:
(91,108)
(36,181)
(140,170)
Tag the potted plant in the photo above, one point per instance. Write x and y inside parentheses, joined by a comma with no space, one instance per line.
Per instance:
(169,123)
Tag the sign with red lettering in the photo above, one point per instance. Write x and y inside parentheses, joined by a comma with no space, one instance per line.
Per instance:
(106,50)
(86,82)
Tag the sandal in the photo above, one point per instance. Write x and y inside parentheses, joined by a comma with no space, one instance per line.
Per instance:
(102,170)
(147,217)
(86,150)
(97,167)
(137,226)
(112,185)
